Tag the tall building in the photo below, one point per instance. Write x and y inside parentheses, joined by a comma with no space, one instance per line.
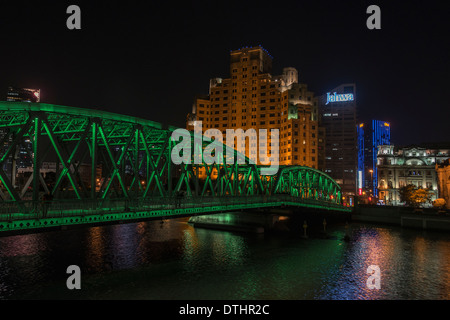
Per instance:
(252,98)
(22,155)
(405,166)
(337,111)
(300,129)
(370,135)
(23,95)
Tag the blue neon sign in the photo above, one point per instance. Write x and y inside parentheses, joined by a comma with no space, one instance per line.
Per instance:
(339,97)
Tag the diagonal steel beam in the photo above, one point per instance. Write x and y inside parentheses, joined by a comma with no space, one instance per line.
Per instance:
(114,164)
(62,158)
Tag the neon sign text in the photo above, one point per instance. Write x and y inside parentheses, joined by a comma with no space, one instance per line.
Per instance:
(339,97)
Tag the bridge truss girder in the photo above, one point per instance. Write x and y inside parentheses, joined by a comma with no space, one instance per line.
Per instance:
(133,156)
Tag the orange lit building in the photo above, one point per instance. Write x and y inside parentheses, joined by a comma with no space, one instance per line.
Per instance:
(443,177)
(253,98)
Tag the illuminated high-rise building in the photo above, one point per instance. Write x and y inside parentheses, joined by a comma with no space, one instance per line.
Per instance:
(23,94)
(254,99)
(370,135)
(22,154)
(337,109)
(300,132)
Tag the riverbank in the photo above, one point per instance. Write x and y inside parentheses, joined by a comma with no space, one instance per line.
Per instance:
(429,219)
(273,221)
(289,220)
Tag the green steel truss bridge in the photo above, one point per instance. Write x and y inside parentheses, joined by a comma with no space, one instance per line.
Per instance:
(102,167)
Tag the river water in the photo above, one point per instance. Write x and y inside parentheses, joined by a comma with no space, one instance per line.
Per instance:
(173,260)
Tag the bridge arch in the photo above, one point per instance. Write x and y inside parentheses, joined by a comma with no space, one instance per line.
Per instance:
(307,183)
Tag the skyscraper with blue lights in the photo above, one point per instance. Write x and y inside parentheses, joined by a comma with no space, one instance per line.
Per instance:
(337,109)
(370,136)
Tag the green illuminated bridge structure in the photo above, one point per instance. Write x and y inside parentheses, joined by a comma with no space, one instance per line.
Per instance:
(101,167)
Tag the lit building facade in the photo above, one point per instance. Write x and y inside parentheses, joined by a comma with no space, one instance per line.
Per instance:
(370,135)
(22,156)
(409,165)
(23,95)
(337,111)
(443,175)
(254,99)
(300,127)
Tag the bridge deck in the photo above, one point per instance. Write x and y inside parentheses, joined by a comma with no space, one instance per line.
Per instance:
(69,213)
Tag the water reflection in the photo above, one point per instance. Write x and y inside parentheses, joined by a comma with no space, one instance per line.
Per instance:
(95,249)
(172,260)
(443,251)
(412,266)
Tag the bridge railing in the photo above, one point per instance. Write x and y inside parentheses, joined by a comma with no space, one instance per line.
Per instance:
(10,211)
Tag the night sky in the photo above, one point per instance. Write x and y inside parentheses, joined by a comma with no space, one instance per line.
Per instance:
(151,58)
